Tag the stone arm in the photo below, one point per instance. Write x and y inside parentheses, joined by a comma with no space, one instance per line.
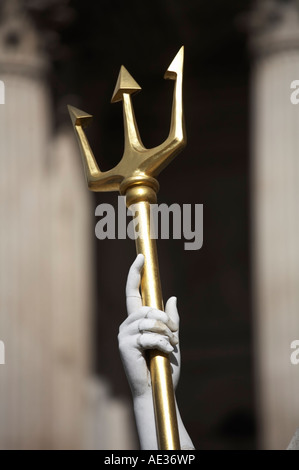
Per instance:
(148,328)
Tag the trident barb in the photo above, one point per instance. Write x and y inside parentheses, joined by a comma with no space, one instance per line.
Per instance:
(135,177)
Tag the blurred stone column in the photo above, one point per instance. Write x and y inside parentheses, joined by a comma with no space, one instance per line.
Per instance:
(24,301)
(275,217)
(49,398)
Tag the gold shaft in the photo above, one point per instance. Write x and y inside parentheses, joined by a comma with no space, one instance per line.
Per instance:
(160,369)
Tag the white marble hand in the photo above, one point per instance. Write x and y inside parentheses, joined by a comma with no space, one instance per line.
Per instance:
(146,328)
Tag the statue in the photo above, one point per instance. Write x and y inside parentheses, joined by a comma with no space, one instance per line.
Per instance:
(135,178)
(148,328)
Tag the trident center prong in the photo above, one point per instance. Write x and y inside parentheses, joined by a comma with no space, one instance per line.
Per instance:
(137,162)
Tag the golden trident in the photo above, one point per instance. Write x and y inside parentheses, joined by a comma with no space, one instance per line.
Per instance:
(135,177)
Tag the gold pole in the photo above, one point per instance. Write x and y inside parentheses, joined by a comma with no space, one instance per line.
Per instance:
(134,176)
(160,369)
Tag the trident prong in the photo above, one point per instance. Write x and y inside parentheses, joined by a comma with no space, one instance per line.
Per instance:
(137,161)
